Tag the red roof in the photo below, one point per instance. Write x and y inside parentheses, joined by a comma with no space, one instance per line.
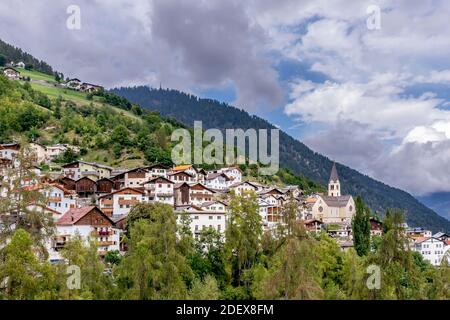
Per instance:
(74,215)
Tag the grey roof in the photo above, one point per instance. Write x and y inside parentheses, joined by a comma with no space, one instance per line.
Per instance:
(334,175)
(212,176)
(336,201)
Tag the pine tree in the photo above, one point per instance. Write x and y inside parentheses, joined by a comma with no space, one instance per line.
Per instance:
(361,228)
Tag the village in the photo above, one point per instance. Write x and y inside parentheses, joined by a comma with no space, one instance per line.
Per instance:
(93,200)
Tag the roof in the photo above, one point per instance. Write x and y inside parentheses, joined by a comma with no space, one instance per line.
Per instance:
(212,176)
(440,234)
(243,182)
(180,172)
(10,68)
(423,239)
(178,185)
(89,163)
(157,178)
(309,221)
(182,167)
(187,206)
(157,165)
(336,201)
(334,175)
(208,203)
(203,186)
(117,191)
(9,145)
(74,215)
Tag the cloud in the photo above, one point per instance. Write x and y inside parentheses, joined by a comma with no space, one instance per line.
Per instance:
(188,45)
(369,115)
(371,119)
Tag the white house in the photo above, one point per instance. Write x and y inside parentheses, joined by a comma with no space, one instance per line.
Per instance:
(199,194)
(60,199)
(9,151)
(156,170)
(160,190)
(234,173)
(181,176)
(91,224)
(20,65)
(120,202)
(217,181)
(431,249)
(79,169)
(243,187)
(74,84)
(203,219)
(11,73)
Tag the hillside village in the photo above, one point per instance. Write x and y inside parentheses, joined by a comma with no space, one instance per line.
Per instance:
(94,200)
(13,72)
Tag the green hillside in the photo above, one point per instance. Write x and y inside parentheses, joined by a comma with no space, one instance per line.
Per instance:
(107,129)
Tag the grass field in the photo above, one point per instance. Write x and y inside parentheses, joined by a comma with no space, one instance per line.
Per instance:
(35,75)
(77,97)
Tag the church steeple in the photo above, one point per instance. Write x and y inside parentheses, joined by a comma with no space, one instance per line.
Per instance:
(334,186)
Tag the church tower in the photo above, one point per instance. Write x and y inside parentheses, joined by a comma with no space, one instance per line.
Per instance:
(334,186)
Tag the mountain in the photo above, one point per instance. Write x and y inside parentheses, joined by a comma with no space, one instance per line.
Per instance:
(439,202)
(293,154)
(10,53)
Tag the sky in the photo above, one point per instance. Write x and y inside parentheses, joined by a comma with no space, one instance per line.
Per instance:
(369,91)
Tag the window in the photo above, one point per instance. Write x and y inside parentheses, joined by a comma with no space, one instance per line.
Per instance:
(219,217)
(210,217)
(196,218)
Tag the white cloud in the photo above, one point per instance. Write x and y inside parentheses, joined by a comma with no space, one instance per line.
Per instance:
(367,97)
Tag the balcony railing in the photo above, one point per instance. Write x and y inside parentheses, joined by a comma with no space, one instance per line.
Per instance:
(100,233)
(105,243)
(130,201)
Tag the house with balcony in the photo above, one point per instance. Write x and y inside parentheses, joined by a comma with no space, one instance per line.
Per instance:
(199,194)
(243,187)
(217,181)
(156,170)
(160,189)
(432,249)
(9,151)
(181,176)
(91,224)
(60,199)
(79,169)
(119,203)
(202,219)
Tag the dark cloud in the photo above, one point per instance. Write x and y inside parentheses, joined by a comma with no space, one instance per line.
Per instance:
(188,45)
(419,168)
(351,143)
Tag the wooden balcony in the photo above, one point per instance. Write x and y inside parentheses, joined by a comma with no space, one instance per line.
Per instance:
(105,243)
(128,202)
(201,195)
(102,233)
(106,202)
(54,199)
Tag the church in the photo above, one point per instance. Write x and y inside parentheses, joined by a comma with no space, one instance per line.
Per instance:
(334,208)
